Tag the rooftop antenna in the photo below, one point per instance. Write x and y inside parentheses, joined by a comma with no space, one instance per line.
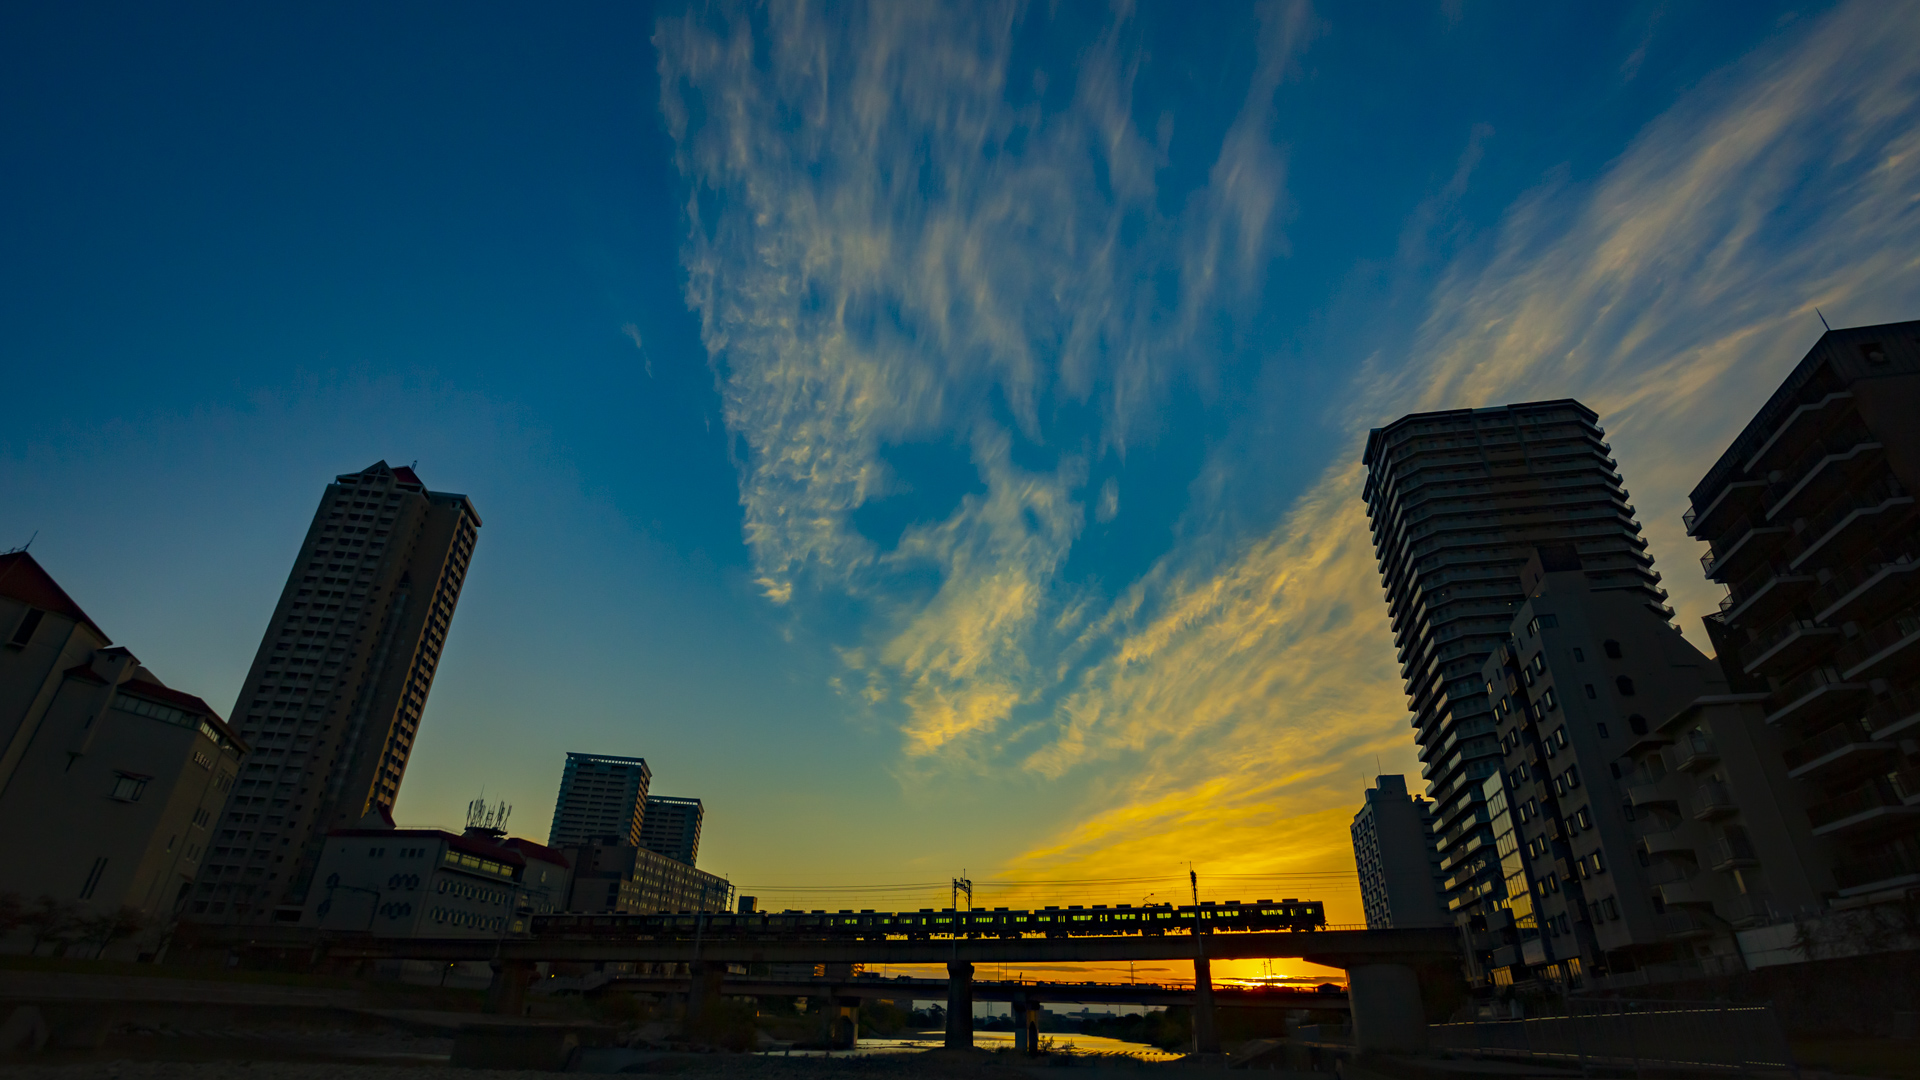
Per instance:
(1823,320)
(25,546)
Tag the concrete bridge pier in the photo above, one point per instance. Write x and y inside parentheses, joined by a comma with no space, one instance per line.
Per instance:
(705,980)
(507,995)
(959,1006)
(843,1026)
(1206,1036)
(1388,1015)
(1026,1017)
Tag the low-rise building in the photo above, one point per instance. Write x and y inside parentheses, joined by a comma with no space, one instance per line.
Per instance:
(393,882)
(110,780)
(615,877)
(1397,858)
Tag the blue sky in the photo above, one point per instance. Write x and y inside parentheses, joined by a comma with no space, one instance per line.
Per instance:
(928,434)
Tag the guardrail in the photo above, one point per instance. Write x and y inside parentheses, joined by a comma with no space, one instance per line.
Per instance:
(1634,1034)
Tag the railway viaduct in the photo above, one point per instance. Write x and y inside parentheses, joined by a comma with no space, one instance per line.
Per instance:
(1383,987)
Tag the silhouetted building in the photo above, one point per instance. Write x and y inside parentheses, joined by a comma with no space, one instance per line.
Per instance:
(432,883)
(601,798)
(1457,502)
(1811,517)
(1398,860)
(672,828)
(623,878)
(109,780)
(333,700)
(1621,869)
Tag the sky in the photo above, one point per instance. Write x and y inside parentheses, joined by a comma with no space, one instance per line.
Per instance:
(929,434)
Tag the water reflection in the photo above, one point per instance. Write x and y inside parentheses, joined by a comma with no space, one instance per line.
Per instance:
(1059,1042)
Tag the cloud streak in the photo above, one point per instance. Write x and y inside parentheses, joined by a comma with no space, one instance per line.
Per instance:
(894,242)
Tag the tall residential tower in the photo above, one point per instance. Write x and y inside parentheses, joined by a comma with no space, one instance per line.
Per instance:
(601,798)
(672,827)
(333,700)
(1458,500)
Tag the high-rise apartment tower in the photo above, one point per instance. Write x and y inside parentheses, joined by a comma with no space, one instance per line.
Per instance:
(672,827)
(333,700)
(601,798)
(1458,500)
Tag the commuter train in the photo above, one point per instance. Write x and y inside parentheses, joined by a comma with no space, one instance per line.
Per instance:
(1096,921)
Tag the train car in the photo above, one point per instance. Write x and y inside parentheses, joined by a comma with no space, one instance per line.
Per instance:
(1074,920)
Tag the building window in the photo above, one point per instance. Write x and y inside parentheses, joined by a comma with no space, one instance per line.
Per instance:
(93,878)
(23,633)
(1637,724)
(1602,729)
(1612,648)
(127,787)
(1579,656)
(1592,694)
(1624,685)
(1549,701)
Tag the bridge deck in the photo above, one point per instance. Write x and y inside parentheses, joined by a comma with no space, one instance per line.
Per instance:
(936,990)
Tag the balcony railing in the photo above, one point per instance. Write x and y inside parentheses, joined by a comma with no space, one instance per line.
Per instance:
(1729,850)
(1877,792)
(1846,579)
(1797,695)
(1837,737)
(1873,495)
(1836,444)
(1898,861)
(1696,750)
(1712,800)
(1765,643)
(1892,710)
(1903,628)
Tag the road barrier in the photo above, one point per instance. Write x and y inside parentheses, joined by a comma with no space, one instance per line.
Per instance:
(1620,1032)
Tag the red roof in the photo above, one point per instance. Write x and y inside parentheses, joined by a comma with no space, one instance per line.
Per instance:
(166,695)
(22,578)
(406,475)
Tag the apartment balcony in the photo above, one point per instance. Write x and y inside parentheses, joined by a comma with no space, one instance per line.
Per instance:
(1707,521)
(1833,463)
(1852,525)
(1799,427)
(1789,646)
(1896,716)
(1881,801)
(1652,793)
(1883,650)
(1762,596)
(1892,867)
(1746,910)
(1815,696)
(1667,843)
(1693,892)
(1685,925)
(1754,546)
(1696,750)
(1731,851)
(1869,593)
(1847,745)
(1711,801)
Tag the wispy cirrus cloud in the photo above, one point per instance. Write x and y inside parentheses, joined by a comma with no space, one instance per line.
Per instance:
(1671,293)
(896,238)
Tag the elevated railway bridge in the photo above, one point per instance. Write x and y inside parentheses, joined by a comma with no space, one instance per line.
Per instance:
(1381,965)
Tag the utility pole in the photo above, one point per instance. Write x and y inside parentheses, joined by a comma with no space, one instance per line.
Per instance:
(962,884)
(1194,880)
